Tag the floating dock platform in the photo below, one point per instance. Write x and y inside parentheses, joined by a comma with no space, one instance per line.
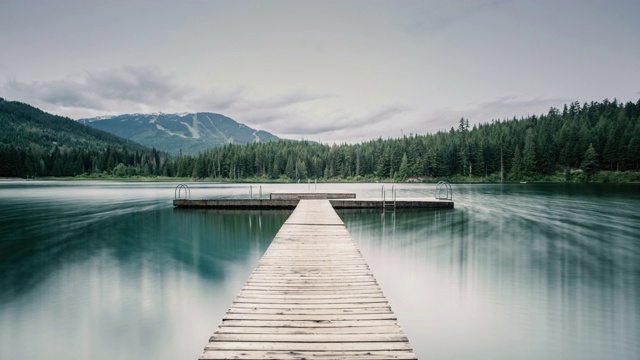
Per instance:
(337,199)
(312,296)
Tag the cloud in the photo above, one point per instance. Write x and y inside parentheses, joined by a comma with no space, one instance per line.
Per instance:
(311,124)
(482,112)
(289,99)
(431,17)
(143,89)
(338,126)
(297,113)
(127,89)
(507,107)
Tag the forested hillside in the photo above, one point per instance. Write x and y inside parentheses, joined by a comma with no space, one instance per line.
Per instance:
(591,137)
(35,143)
(572,144)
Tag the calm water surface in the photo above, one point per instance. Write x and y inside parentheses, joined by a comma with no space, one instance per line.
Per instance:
(111,271)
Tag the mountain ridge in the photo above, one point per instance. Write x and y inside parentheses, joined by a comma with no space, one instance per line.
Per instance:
(180,133)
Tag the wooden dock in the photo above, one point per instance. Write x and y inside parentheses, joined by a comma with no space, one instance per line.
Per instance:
(311,296)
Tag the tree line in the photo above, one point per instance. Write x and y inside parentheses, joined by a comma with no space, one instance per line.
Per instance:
(34,143)
(576,142)
(36,161)
(580,139)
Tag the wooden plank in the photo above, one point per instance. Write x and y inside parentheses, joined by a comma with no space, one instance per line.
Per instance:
(310,280)
(310,284)
(307,311)
(333,294)
(308,324)
(305,346)
(309,317)
(309,338)
(311,287)
(387,329)
(284,355)
(333,279)
(331,274)
(300,266)
(312,295)
(329,277)
(305,305)
(284,300)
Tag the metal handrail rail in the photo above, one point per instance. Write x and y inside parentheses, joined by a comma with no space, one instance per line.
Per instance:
(393,196)
(178,191)
(445,187)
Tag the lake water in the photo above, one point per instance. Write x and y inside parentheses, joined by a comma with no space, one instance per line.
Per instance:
(107,270)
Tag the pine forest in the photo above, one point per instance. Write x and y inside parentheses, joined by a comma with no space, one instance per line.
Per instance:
(597,141)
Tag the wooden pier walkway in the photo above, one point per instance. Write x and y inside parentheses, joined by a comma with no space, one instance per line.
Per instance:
(311,296)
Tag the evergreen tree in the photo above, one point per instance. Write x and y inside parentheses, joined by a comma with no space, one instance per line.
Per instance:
(290,169)
(403,171)
(199,168)
(529,154)
(590,162)
(611,149)
(516,166)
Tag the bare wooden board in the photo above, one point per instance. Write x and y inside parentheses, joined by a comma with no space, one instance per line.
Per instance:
(308,346)
(309,324)
(257,305)
(382,329)
(284,355)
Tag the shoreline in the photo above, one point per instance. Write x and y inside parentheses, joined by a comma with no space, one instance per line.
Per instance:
(599,178)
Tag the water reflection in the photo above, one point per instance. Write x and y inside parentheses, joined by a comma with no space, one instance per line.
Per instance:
(121,275)
(512,273)
(111,270)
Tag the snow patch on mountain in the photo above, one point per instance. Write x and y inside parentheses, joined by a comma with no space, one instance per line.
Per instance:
(161,128)
(194,132)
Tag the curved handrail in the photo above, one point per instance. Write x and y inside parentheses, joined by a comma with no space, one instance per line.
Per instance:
(444,191)
(178,191)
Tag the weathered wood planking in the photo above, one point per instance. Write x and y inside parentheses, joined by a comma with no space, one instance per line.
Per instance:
(311,296)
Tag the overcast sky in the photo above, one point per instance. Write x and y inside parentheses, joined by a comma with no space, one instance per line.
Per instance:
(330,71)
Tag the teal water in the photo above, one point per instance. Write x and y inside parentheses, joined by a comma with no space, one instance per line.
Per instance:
(518,271)
(112,271)
(105,270)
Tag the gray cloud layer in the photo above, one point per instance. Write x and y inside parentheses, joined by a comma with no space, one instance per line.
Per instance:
(323,70)
(132,89)
(146,89)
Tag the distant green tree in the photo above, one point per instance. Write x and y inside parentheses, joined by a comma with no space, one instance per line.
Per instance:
(302,169)
(290,169)
(611,149)
(516,165)
(590,161)
(200,167)
(430,162)
(120,170)
(529,154)
(403,171)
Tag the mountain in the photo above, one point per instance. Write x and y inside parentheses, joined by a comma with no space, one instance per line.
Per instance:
(22,126)
(34,143)
(188,134)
